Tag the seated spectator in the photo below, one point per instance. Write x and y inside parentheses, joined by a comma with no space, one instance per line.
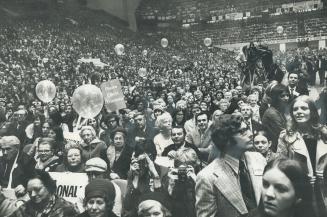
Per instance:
(181,182)
(163,139)
(99,199)
(44,201)
(179,143)
(16,167)
(91,145)
(142,178)
(154,204)
(96,168)
(47,160)
(73,160)
(110,122)
(179,118)
(119,155)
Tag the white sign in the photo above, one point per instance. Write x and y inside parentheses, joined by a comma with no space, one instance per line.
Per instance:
(71,186)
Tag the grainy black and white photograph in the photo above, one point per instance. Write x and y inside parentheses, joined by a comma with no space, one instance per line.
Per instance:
(163,108)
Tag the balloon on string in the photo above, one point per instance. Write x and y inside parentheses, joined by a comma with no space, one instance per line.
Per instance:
(207,42)
(87,100)
(164,42)
(119,49)
(280,29)
(142,72)
(45,91)
(144,52)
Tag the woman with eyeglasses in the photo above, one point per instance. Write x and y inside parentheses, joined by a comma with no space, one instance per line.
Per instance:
(47,160)
(41,189)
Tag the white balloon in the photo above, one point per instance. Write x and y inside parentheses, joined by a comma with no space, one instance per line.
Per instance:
(119,49)
(142,72)
(45,91)
(144,52)
(280,29)
(164,42)
(207,42)
(87,100)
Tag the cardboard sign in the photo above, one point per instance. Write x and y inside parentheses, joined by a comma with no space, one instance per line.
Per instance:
(73,137)
(71,186)
(113,95)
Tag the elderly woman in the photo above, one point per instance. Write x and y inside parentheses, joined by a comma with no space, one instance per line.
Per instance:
(73,160)
(47,160)
(41,189)
(99,199)
(92,146)
(119,155)
(163,139)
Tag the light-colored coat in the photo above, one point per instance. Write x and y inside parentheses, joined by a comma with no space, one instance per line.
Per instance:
(298,147)
(218,192)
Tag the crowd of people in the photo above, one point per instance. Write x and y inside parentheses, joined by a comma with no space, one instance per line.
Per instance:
(193,140)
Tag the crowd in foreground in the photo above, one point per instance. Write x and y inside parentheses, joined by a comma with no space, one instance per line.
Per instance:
(192,140)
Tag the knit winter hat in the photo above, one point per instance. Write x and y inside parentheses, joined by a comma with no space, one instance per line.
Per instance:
(100,188)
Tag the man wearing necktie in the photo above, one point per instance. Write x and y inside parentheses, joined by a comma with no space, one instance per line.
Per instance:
(294,88)
(15,166)
(218,186)
(322,67)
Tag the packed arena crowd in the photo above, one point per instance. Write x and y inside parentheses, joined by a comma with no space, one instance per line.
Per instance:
(194,139)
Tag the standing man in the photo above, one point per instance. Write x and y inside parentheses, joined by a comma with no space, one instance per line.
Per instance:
(218,189)
(294,87)
(322,67)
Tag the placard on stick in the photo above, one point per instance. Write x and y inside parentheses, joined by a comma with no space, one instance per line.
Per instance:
(113,95)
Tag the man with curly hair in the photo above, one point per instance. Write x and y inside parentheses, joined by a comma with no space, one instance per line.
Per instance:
(218,189)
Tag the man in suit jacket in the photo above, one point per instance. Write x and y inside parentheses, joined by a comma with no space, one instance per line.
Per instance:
(294,88)
(15,166)
(141,136)
(218,189)
(247,114)
(322,67)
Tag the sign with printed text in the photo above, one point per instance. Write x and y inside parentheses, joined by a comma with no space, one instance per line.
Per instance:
(71,186)
(113,95)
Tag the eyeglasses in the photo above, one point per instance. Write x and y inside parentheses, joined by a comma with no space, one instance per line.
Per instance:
(44,151)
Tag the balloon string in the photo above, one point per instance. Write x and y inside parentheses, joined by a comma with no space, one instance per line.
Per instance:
(78,122)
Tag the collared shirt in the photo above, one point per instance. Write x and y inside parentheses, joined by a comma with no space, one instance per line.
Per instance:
(233,163)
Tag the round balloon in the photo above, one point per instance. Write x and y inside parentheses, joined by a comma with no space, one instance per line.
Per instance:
(144,52)
(87,100)
(45,91)
(164,42)
(207,42)
(119,49)
(142,72)
(280,29)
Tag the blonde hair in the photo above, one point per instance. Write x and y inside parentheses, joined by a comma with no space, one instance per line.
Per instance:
(90,128)
(161,118)
(146,205)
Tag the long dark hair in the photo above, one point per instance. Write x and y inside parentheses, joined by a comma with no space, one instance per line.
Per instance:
(300,181)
